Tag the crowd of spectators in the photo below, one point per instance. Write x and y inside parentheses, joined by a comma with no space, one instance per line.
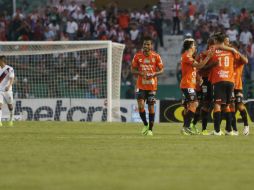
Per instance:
(73,21)
(199,22)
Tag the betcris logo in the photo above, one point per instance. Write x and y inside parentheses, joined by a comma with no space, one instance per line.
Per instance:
(86,110)
(135,117)
(64,110)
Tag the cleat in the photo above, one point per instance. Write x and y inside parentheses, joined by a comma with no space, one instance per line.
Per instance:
(149,133)
(145,130)
(183,132)
(205,133)
(187,131)
(1,124)
(194,129)
(228,133)
(220,133)
(246,130)
(235,133)
(10,123)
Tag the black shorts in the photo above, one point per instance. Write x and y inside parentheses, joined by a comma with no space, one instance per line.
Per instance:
(189,95)
(149,96)
(223,92)
(207,91)
(238,96)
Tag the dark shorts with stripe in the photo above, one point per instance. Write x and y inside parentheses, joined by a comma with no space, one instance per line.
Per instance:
(189,95)
(207,91)
(238,96)
(223,92)
(149,96)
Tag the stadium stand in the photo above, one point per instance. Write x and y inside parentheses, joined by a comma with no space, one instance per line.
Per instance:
(69,20)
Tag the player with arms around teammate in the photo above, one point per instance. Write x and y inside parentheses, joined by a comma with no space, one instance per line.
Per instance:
(6,94)
(222,79)
(188,82)
(147,65)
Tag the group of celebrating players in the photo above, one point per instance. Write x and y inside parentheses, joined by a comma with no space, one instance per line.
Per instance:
(211,81)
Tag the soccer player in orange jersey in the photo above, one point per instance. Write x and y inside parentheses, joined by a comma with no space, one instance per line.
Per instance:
(222,78)
(147,65)
(238,92)
(188,82)
(206,89)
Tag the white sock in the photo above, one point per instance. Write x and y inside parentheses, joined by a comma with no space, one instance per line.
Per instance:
(0,115)
(11,115)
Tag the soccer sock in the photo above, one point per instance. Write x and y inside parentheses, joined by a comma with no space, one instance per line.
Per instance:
(244,117)
(11,115)
(216,121)
(196,118)
(228,116)
(188,117)
(204,116)
(143,117)
(151,121)
(233,121)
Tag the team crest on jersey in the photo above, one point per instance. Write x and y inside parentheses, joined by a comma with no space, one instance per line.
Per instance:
(153,60)
(147,61)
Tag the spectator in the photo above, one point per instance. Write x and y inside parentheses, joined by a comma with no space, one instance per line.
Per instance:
(191,11)
(176,17)
(158,22)
(245,37)
(123,20)
(72,28)
(232,33)
(224,18)
(134,33)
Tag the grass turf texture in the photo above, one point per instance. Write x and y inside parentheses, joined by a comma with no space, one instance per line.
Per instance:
(114,156)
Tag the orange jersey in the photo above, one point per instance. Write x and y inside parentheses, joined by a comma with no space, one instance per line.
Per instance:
(203,72)
(224,70)
(188,72)
(149,65)
(239,65)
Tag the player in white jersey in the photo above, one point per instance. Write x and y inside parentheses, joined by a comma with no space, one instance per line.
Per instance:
(6,94)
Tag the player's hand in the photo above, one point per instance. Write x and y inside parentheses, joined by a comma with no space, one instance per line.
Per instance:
(149,75)
(210,52)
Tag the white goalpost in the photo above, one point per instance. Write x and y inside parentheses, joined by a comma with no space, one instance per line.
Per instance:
(66,80)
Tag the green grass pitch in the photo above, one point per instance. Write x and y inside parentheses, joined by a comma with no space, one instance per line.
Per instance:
(115,156)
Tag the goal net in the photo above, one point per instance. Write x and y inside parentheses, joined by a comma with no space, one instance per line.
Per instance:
(66,80)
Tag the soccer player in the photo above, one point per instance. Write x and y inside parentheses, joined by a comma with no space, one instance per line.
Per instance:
(238,92)
(147,65)
(188,82)
(6,95)
(222,78)
(206,90)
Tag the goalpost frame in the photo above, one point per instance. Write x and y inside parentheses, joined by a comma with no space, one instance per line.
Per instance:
(100,44)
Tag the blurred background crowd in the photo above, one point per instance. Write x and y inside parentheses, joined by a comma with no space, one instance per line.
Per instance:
(76,20)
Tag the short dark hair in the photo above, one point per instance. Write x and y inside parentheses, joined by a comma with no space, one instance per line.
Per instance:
(147,38)
(220,37)
(187,43)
